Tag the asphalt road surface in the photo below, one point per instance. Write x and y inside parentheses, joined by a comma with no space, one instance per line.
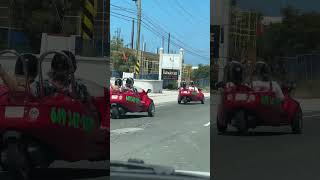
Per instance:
(177,136)
(268,152)
(60,170)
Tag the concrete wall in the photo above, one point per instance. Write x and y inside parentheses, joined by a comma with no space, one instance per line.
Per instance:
(154,85)
(307,89)
(93,69)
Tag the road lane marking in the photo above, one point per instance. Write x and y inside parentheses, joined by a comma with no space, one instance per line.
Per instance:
(315,115)
(124,131)
(208,124)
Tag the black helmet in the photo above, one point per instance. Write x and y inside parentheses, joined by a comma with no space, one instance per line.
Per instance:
(263,70)
(184,84)
(236,72)
(192,83)
(118,82)
(32,65)
(60,63)
(130,81)
(72,57)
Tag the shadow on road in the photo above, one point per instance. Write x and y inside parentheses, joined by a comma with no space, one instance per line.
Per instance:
(132,116)
(252,133)
(64,174)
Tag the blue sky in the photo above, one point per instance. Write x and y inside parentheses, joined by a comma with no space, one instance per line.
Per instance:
(188,22)
(272,7)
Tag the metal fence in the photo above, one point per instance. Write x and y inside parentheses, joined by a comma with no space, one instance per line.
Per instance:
(302,67)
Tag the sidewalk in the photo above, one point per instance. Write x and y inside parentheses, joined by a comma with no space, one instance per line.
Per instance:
(167,97)
(310,104)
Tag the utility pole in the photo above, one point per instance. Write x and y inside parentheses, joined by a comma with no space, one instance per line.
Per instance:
(169,44)
(132,34)
(138,3)
(9,24)
(162,41)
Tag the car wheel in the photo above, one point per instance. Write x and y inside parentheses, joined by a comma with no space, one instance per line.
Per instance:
(185,100)
(151,110)
(297,123)
(202,101)
(16,162)
(221,128)
(115,113)
(242,124)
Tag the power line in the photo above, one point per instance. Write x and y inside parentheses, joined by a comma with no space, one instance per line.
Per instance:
(160,34)
(151,29)
(164,33)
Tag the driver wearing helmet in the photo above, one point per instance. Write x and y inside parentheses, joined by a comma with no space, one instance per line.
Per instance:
(18,82)
(117,85)
(235,74)
(183,85)
(263,81)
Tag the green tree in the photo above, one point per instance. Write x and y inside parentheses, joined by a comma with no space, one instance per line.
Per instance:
(203,72)
(117,59)
(298,33)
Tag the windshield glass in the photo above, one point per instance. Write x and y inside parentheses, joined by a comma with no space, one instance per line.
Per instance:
(160,127)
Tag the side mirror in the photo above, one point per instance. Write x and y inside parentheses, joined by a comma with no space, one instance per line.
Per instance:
(148,91)
(219,85)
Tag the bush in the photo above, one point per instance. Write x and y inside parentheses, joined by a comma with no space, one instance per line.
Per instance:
(172,86)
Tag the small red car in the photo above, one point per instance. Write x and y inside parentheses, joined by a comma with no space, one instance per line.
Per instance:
(245,108)
(37,131)
(188,95)
(131,101)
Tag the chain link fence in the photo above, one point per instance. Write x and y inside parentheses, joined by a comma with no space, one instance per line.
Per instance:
(304,70)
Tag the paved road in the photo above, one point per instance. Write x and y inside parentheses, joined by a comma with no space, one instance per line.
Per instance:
(83,170)
(178,136)
(268,153)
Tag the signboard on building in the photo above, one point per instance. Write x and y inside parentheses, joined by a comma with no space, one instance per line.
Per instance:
(170,74)
(215,40)
(171,61)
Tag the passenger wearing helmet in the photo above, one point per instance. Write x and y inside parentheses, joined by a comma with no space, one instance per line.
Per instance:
(18,82)
(129,85)
(60,78)
(263,81)
(193,87)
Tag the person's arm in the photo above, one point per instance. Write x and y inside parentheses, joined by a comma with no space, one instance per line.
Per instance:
(9,81)
(278,91)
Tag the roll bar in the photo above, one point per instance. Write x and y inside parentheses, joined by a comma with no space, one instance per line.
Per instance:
(26,73)
(71,70)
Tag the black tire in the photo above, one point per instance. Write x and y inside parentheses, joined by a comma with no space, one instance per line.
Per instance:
(184,100)
(202,101)
(17,162)
(151,110)
(179,101)
(297,122)
(242,124)
(221,128)
(115,113)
